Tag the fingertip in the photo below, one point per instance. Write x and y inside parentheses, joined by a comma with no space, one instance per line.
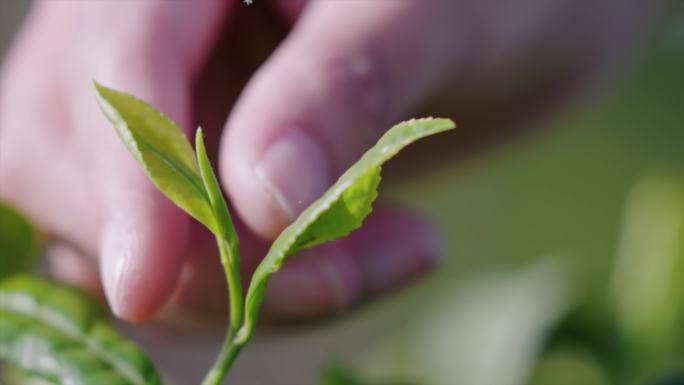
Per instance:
(270,191)
(140,263)
(250,198)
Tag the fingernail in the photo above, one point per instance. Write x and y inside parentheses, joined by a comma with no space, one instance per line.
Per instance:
(115,254)
(294,171)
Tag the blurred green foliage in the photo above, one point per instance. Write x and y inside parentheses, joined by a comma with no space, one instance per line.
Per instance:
(19,244)
(587,189)
(60,334)
(647,291)
(569,366)
(336,374)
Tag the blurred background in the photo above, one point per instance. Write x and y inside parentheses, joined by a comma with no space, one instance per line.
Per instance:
(565,258)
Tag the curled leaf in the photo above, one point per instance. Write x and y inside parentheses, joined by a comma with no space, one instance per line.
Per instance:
(340,210)
(61,335)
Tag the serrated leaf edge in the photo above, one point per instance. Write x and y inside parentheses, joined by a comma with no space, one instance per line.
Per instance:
(24,304)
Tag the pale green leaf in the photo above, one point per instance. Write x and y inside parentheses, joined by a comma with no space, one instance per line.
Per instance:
(162,149)
(224,223)
(61,335)
(340,210)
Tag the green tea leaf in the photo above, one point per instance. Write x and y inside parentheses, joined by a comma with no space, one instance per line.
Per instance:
(218,203)
(61,335)
(226,237)
(18,242)
(11,374)
(160,146)
(340,210)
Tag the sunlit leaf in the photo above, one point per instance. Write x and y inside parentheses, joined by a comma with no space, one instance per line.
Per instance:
(61,335)
(160,146)
(341,209)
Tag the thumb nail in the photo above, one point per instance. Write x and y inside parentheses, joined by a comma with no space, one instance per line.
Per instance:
(294,171)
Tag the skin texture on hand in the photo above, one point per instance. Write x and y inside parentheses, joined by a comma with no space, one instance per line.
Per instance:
(344,73)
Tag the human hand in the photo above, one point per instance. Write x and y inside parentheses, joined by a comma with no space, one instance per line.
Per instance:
(346,71)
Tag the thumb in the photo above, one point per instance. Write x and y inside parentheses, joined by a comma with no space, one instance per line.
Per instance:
(144,239)
(324,97)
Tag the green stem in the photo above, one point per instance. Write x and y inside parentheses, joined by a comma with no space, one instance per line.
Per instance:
(230,349)
(231,267)
(229,352)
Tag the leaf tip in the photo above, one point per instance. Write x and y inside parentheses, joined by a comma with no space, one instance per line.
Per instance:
(101,97)
(99,88)
(199,139)
(447,123)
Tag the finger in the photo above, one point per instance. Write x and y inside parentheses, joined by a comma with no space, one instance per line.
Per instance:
(393,247)
(92,193)
(201,289)
(323,98)
(140,250)
(72,266)
(313,283)
(144,236)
